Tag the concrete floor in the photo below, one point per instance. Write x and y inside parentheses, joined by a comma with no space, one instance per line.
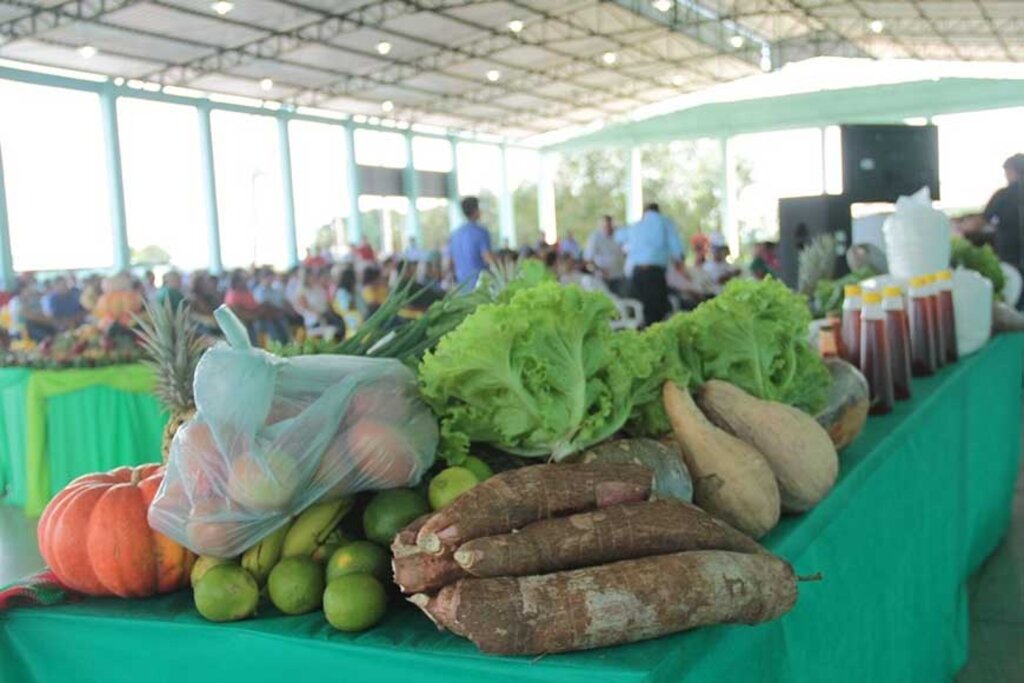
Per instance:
(997,594)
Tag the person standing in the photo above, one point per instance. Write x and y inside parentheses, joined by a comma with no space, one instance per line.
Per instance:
(1005,212)
(605,254)
(652,244)
(470,245)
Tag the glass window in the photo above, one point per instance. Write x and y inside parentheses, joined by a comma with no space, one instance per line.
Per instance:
(56,178)
(767,167)
(434,222)
(319,183)
(250,200)
(380,148)
(523,171)
(163,190)
(685,177)
(480,175)
(588,185)
(972,149)
(432,154)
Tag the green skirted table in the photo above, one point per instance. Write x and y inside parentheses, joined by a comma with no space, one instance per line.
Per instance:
(58,424)
(923,497)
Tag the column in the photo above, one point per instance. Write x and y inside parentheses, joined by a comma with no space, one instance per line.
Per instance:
(546,215)
(387,236)
(285,152)
(455,217)
(506,209)
(728,181)
(355,228)
(115,179)
(209,187)
(824,161)
(634,187)
(411,186)
(6,257)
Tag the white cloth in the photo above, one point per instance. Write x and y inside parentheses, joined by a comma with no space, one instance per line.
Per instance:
(605,253)
(716,270)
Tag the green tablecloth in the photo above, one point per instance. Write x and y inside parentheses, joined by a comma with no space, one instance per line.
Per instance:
(58,424)
(924,495)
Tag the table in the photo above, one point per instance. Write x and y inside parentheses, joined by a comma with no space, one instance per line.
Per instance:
(923,497)
(58,424)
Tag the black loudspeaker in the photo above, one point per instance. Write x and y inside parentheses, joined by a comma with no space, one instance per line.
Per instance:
(883,162)
(801,219)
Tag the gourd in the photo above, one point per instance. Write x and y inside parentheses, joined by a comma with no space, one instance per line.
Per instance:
(95,537)
(798,450)
(848,402)
(731,479)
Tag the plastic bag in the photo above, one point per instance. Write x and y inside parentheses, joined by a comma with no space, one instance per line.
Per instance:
(917,237)
(272,436)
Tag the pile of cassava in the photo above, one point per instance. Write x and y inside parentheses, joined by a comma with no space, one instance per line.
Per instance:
(555,558)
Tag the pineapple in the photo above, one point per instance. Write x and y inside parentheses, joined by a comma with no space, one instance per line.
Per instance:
(817,263)
(173,346)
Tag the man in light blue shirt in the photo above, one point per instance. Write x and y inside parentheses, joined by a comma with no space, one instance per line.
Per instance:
(652,245)
(470,245)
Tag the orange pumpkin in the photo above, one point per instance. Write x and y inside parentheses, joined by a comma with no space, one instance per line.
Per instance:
(95,537)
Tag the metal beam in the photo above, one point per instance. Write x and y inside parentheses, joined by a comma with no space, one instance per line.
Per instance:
(284,147)
(7,277)
(209,187)
(115,179)
(42,19)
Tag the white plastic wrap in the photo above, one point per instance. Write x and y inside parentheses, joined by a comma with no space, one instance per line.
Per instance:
(917,237)
(272,436)
(972,310)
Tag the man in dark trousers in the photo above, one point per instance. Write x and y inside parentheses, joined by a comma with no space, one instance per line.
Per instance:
(652,244)
(1005,211)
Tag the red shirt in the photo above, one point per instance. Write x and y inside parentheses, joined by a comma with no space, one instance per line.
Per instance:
(365,252)
(240,299)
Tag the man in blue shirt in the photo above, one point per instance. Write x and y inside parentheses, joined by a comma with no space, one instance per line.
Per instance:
(470,245)
(652,244)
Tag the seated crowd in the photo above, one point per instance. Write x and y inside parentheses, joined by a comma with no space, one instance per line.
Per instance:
(329,297)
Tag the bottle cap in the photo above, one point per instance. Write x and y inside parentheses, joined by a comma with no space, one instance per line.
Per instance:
(851,290)
(918,282)
(944,275)
(872,298)
(892,291)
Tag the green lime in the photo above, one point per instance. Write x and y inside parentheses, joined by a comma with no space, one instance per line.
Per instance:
(354,602)
(203,564)
(226,593)
(296,585)
(390,511)
(481,470)
(449,484)
(359,557)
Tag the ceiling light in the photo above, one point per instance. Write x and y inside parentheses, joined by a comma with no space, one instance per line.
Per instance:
(877,26)
(222,7)
(609,58)
(383,47)
(387,106)
(493,75)
(663,5)
(118,81)
(736,42)
(678,80)
(87,52)
(515,26)
(266,84)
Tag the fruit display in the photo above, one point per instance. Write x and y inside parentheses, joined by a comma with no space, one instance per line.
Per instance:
(95,538)
(625,569)
(86,346)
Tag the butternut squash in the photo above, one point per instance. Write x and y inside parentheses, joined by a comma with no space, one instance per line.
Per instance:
(797,448)
(731,479)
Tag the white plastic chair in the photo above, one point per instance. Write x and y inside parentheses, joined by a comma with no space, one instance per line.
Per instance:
(1014,283)
(631,311)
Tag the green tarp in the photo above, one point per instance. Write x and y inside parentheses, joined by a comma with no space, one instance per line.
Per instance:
(924,495)
(58,424)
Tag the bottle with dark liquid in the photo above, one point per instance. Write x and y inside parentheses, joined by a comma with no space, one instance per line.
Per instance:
(933,310)
(922,340)
(947,317)
(875,356)
(897,329)
(849,334)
